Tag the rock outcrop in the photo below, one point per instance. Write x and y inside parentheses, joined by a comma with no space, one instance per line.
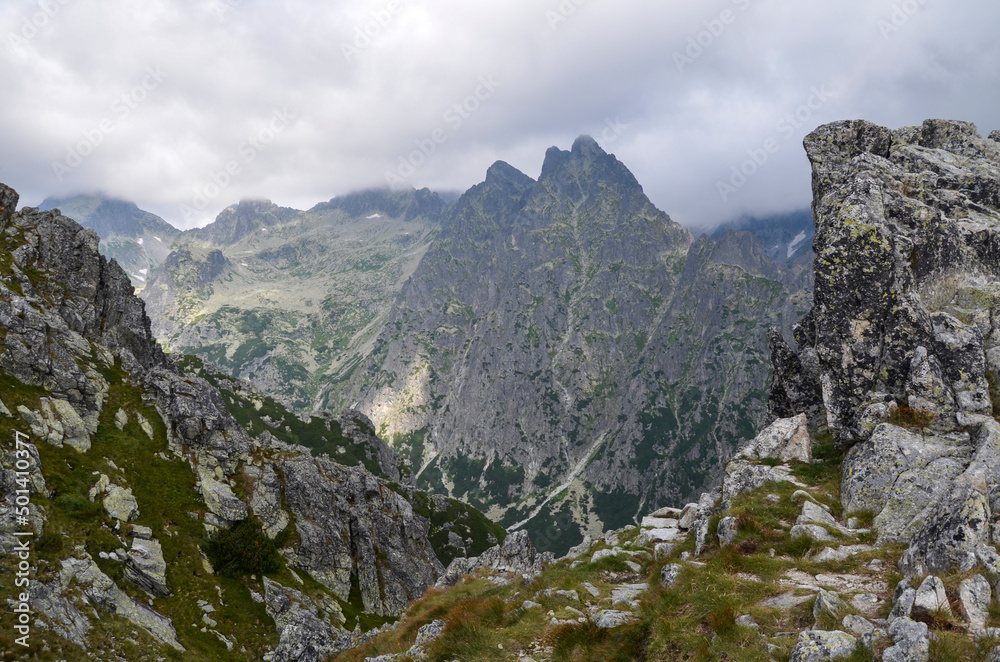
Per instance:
(902,340)
(74,338)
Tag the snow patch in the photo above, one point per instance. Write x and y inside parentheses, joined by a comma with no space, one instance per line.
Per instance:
(139,278)
(157,238)
(244,264)
(794,244)
(376,215)
(144,271)
(140,241)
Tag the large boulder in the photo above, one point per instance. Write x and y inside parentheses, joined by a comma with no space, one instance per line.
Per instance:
(901,339)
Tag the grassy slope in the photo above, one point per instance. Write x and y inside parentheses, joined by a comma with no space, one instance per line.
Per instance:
(693,621)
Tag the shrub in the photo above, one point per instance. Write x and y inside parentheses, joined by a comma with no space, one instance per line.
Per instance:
(243,550)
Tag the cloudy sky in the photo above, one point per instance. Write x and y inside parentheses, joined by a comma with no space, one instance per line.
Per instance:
(187,106)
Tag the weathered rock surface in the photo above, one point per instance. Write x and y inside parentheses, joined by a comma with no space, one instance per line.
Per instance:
(304,636)
(816,645)
(102,591)
(516,557)
(350,522)
(145,567)
(907,283)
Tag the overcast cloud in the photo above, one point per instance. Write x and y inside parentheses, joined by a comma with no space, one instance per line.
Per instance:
(154,101)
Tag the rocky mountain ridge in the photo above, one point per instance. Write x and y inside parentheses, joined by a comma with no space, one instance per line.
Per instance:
(565,353)
(150,501)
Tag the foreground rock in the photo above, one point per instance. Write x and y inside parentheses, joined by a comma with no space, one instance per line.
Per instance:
(901,340)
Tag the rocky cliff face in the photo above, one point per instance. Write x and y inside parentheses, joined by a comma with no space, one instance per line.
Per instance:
(899,356)
(135,463)
(292,300)
(565,352)
(137,240)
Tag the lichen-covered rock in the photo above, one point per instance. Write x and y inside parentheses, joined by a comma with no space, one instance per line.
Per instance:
(350,522)
(669,574)
(911,642)
(727,531)
(828,604)
(303,636)
(119,503)
(58,423)
(221,500)
(516,557)
(974,596)
(60,613)
(102,591)
(266,500)
(906,278)
(814,645)
(785,439)
(611,618)
(931,596)
(145,567)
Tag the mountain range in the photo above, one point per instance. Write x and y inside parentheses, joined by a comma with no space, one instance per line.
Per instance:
(557,352)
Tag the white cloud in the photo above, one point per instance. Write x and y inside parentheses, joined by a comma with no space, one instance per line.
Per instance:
(607,64)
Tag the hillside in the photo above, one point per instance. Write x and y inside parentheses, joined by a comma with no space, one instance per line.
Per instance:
(171,512)
(292,300)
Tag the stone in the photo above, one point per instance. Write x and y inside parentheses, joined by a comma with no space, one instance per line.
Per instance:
(747,621)
(667,511)
(813,531)
(727,531)
(647,536)
(662,550)
(669,574)
(528,604)
(611,618)
(516,557)
(902,601)
(627,594)
(688,515)
(58,423)
(931,596)
(221,501)
(120,504)
(607,553)
(145,425)
(857,625)
(590,588)
(785,439)
(146,568)
(911,642)
(4,411)
(121,419)
(102,592)
(143,532)
(829,605)
(866,603)
(812,513)
(974,595)
(786,601)
(651,522)
(61,614)
(841,553)
(813,645)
